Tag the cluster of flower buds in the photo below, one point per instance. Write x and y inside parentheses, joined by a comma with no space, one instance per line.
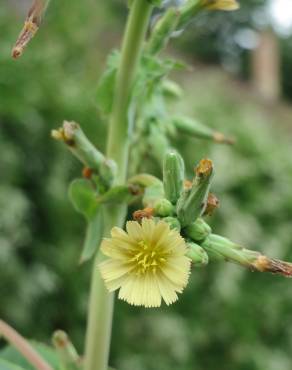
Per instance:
(182,204)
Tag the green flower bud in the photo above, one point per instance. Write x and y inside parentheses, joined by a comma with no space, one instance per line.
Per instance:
(171,89)
(193,201)
(152,194)
(163,207)
(173,223)
(173,176)
(198,230)
(197,254)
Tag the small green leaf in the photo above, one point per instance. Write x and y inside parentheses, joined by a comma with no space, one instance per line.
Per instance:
(93,236)
(10,355)
(6,365)
(117,194)
(83,197)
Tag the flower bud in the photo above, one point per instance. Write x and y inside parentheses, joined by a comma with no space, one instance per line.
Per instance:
(163,208)
(152,194)
(173,176)
(197,254)
(171,89)
(198,230)
(193,201)
(173,223)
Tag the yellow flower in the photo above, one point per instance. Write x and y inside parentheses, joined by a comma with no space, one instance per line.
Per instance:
(147,263)
(220,4)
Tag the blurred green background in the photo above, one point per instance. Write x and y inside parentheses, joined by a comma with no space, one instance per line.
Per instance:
(227,318)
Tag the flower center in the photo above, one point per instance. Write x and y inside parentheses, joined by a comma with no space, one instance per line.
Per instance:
(147,258)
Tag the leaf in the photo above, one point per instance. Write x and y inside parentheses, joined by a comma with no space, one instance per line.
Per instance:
(93,236)
(6,365)
(11,359)
(83,198)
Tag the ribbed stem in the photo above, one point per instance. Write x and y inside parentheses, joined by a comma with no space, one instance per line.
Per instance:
(101,302)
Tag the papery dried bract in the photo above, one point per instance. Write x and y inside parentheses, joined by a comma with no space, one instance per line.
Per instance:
(30,28)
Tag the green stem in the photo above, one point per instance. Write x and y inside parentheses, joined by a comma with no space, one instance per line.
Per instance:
(101,302)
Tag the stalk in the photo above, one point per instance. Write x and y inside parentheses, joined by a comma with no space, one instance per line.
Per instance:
(101,302)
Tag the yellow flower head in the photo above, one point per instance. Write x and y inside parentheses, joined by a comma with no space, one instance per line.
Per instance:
(220,4)
(147,263)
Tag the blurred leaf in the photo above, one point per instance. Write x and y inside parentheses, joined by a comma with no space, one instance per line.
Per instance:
(12,356)
(93,236)
(83,198)
(6,365)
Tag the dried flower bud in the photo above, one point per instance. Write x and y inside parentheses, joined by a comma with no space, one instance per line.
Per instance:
(143,213)
(212,204)
(31,26)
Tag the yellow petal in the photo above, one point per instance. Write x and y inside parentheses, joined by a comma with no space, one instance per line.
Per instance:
(167,290)
(109,249)
(134,230)
(112,269)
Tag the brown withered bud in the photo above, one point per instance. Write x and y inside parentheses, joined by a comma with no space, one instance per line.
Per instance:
(204,168)
(143,213)
(30,28)
(212,204)
(87,173)
(275,266)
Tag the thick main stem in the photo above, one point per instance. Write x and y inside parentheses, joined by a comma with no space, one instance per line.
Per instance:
(101,302)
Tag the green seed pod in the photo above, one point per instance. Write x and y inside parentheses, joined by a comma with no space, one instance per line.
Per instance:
(173,176)
(222,249)
(190,126)
(193,201)
(173,223)
(197,254)
(163,208)
(198,230)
